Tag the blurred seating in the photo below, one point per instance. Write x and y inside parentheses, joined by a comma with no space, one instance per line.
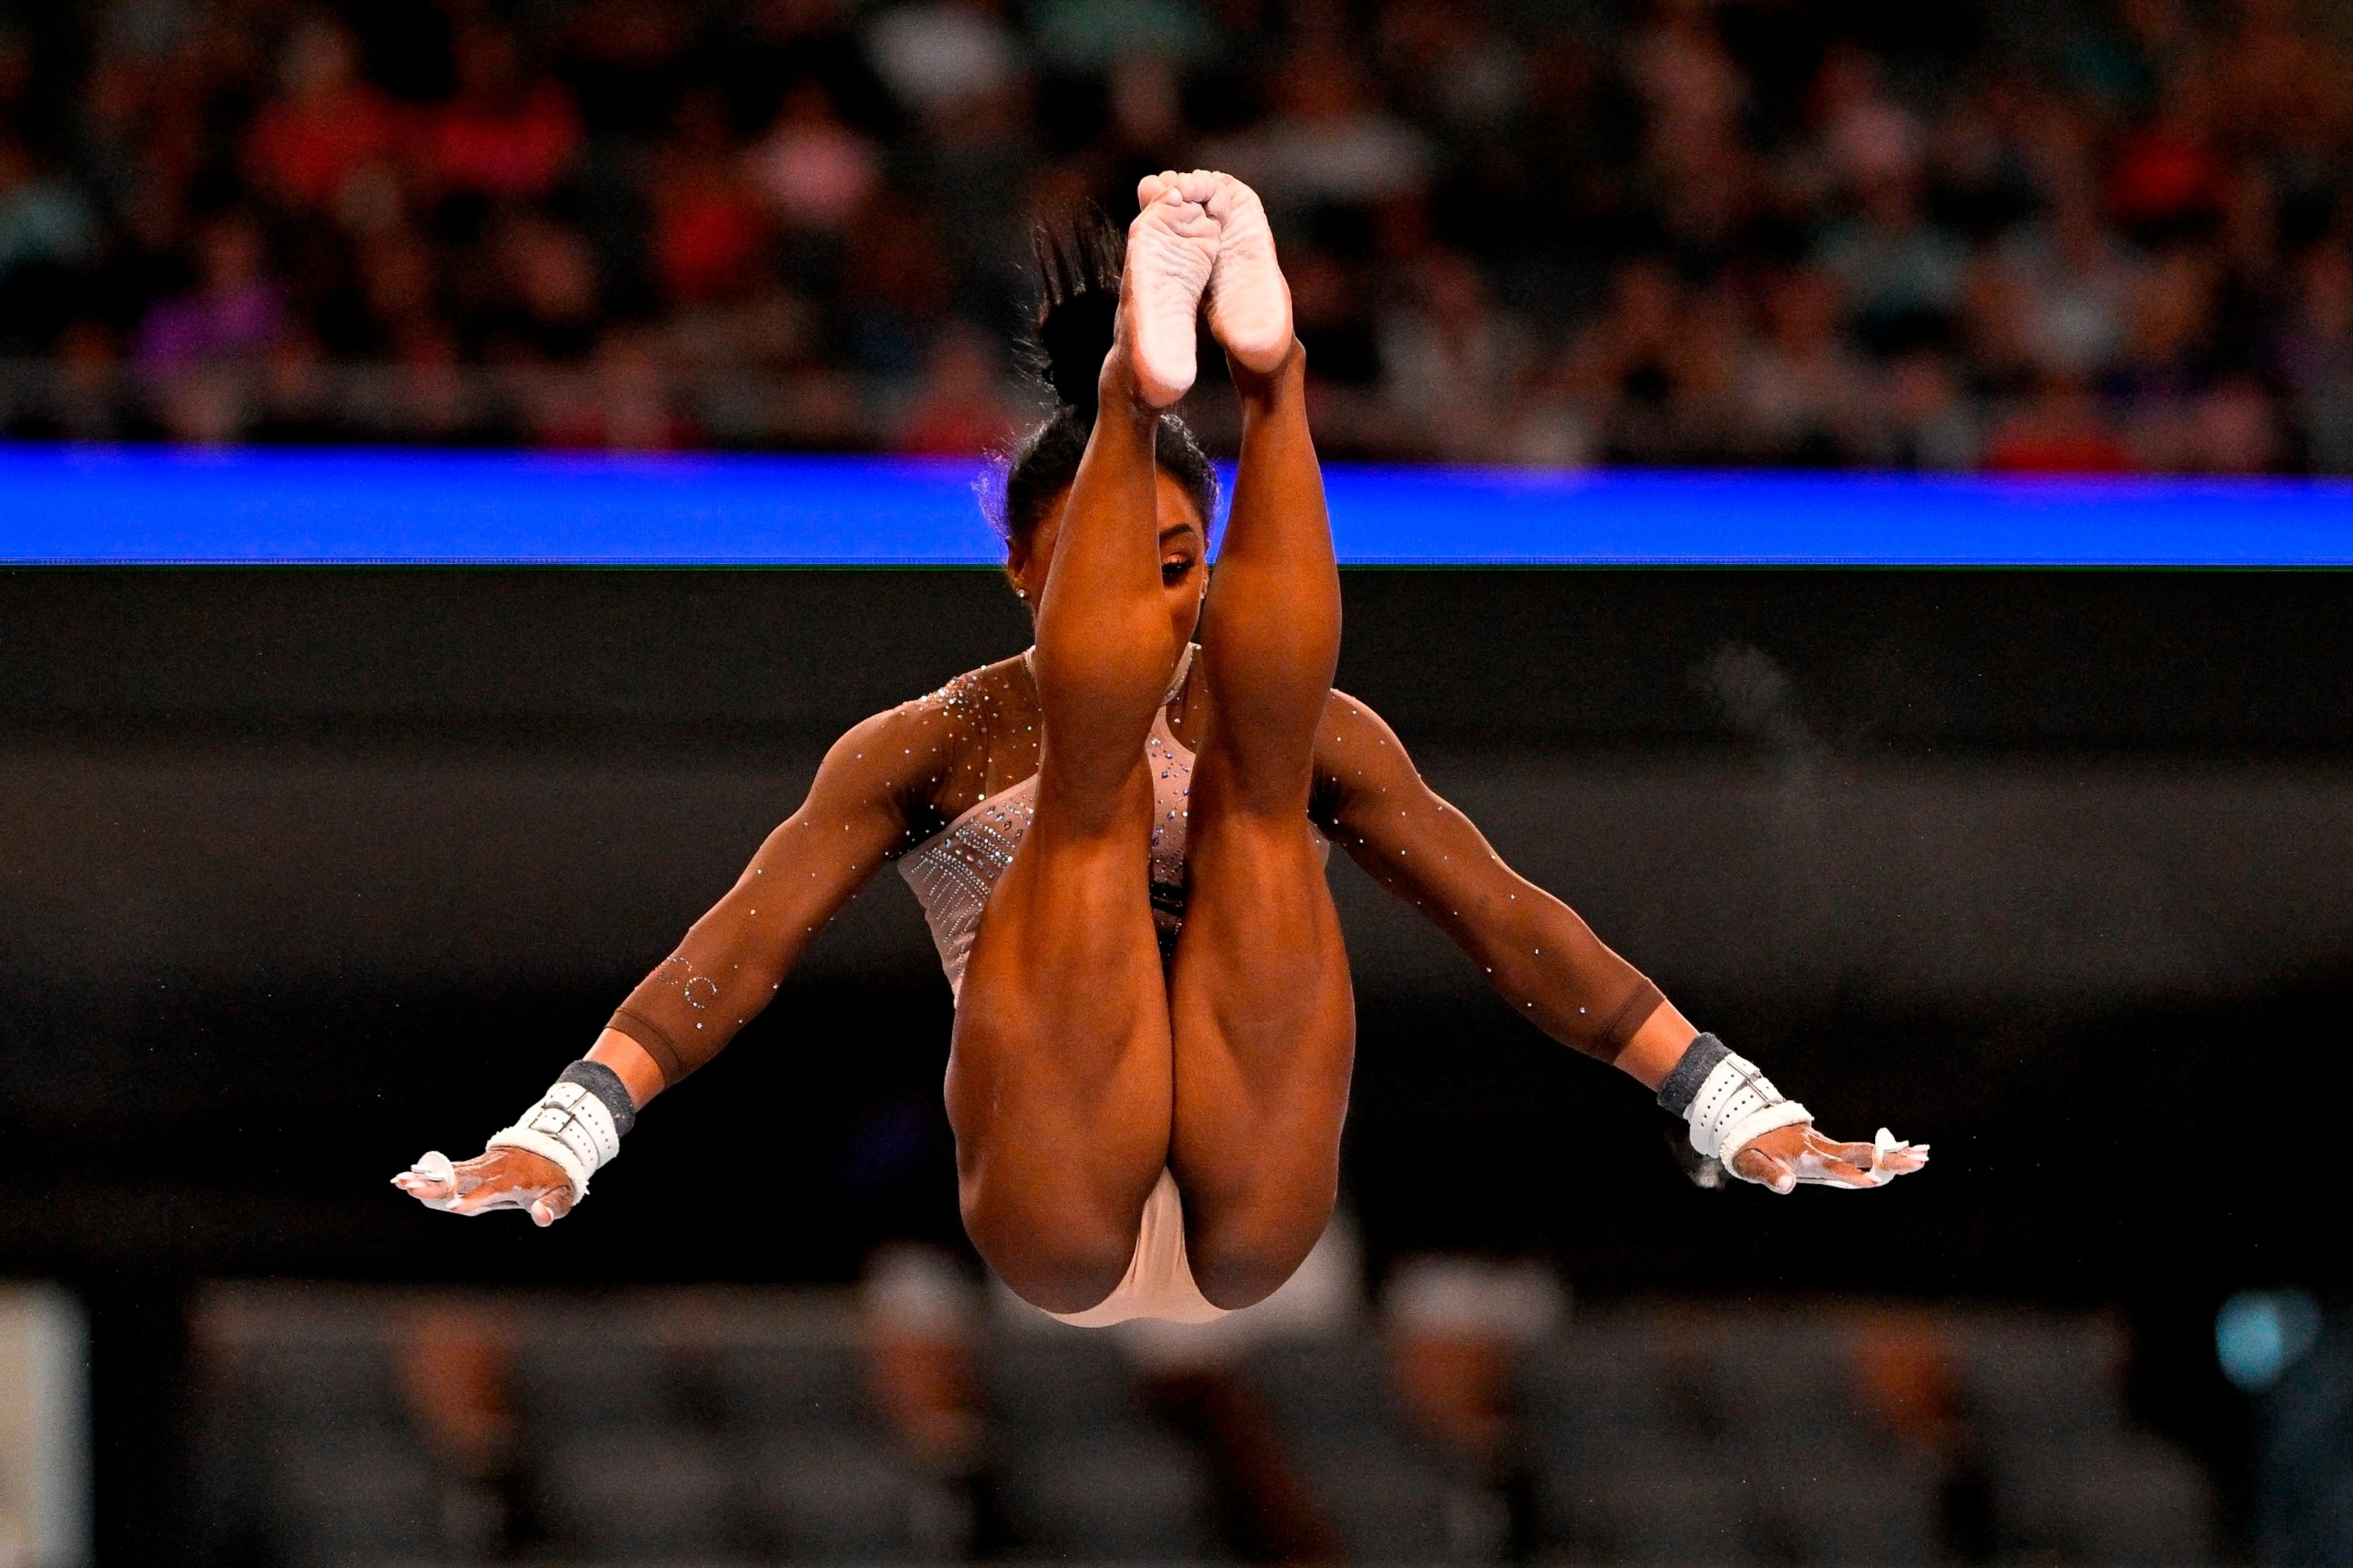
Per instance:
(1753,1438)
(822,1479)
(2119,1497)
(338,1496)
(619,1466)
(638,1494)
(1627,1470)
(568,1382)
(322,1465)
(1390,1492)
(1085,1470)
(2068,1478)
(844,1496)
(763,1427)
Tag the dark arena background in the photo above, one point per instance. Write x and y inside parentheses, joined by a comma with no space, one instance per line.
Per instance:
(2001,793)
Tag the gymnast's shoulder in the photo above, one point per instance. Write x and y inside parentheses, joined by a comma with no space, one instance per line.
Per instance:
(934,756)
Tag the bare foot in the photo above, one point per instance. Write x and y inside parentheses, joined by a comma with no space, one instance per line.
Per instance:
(1171,247)
(1249,303)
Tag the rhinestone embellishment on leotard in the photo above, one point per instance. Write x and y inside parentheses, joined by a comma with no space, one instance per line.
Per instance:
(950,873)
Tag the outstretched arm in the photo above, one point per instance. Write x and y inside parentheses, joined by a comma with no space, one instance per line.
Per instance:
(1532,949)
(732,960)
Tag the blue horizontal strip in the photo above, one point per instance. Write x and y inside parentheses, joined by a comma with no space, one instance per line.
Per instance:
(65,505)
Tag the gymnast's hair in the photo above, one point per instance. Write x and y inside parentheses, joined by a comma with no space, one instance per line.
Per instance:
(1077,297)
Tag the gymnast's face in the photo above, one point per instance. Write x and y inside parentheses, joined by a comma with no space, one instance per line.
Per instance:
(1183,556)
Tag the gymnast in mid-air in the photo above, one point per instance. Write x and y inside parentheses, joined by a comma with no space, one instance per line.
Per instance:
(1119,838)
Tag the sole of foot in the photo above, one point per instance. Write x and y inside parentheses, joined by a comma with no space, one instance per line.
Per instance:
(1172,248)
(1250,303)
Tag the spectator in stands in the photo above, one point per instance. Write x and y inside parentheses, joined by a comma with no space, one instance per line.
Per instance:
(895,287)
(1452,361)
(399,289)
(1623,368)
(2075,279)
(2057,430)
(710,224)
(2235,429)
(963,410)
(236,312)
(1901,274)
(2167,180)
(626,62)
(511,131)
(919,1318)
(815,172)
(540,293)
(941,57)
(1330,142)
(1109,34)
(44,221)
(1803,394)
(1456,1326)
(1920,418)
(2315,358)
(1602,231)
(455,1368)
(1660,371)
(324,124)
(2164,367)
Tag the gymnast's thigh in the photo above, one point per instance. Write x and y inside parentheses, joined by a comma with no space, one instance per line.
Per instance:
(1058,1084)
(1263,1034)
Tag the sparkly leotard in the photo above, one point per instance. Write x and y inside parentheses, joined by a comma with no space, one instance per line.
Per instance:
(953,871)
(735,959)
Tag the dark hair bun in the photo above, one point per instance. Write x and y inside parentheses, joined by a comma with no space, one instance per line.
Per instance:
(1079,262)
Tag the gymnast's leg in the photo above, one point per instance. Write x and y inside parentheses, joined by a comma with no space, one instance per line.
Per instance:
(1262,1014)
(1058,1081)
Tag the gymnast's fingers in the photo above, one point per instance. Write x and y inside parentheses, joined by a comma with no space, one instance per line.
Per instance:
(432,1180)
(1892,1156)
(1789,1145)
(487,1197)
(1755,1164)
(507,1179)
(1858,1155)
(1833,1170)
(497,1179)
(1903,1159)
(550,1207)
(1828,1163)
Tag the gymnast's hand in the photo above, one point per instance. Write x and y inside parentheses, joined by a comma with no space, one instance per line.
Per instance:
(495,1179)
(1787,1156)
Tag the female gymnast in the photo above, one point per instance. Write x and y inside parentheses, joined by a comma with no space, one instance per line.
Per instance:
(1118,837)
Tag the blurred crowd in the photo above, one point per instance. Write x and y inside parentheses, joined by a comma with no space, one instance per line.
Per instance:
(1459,1417)
(2057,237)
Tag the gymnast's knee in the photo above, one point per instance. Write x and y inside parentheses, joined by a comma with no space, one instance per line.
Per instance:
(1239,1264)
(1060,1257)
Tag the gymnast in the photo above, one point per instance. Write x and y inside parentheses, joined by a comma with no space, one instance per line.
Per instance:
(1119,837)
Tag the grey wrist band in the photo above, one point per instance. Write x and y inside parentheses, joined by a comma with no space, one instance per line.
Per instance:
(1683,1083)
(605,1084)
